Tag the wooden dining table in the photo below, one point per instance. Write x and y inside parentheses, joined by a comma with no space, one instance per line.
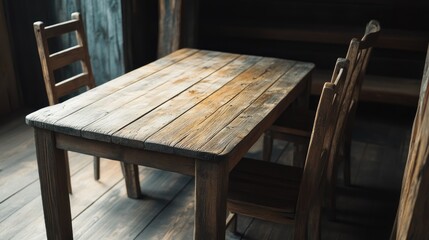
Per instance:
(195,112)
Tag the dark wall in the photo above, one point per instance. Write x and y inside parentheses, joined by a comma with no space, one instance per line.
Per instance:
(141,32)
(103,22)
(130,27)
(266,27)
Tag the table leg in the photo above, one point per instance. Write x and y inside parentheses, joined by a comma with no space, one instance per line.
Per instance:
(211,186)
(303,100)
(132,181)
(53,182)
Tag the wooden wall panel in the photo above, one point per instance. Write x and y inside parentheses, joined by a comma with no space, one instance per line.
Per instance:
(9,94)
(169,26)
(103,25)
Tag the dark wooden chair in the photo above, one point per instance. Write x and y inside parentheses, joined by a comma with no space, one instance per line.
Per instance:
(289,194)
(295,125)
(412,218)
(53,61)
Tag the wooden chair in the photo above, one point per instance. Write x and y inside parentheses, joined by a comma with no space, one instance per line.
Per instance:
(288,194)
(53,61)
(297,128)
(412,219)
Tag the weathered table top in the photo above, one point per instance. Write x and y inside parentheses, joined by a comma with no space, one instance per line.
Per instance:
(193,103)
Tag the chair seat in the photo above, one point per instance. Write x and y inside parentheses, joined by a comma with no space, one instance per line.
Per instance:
(263,188)
(296,122)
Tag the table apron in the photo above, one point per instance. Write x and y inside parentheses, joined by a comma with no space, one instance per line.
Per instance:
(168,162)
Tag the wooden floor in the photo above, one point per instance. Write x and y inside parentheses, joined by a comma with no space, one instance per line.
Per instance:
(101,209)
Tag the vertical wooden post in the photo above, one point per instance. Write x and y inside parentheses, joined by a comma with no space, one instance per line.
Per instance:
(412,218)
(53,182)
(169,26)
(211,185)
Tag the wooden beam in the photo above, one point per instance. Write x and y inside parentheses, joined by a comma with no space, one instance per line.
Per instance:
(169,26)
(413,211)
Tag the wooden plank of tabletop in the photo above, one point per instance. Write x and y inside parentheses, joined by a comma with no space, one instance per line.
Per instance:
(46,117)
(132,110)
(165,139)
(134,134)
(205,62)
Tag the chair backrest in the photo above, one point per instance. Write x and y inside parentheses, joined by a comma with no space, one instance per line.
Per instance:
(53,61)
(322,138)
(412,218)
(358,55)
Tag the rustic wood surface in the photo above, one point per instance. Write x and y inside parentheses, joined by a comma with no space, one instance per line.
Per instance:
(412,217)
(233,99)
(52,60)
(170,18)
(223,94)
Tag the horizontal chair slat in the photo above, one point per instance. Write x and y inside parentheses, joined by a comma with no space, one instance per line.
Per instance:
(66,56)
(71,84)
(61,28)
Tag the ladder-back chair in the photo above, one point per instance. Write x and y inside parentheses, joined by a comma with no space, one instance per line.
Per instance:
(289,194)
(295,125)
(52,62)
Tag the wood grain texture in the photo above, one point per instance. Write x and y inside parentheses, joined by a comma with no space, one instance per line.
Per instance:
(199,95)
(149,124)
(53,182)
(170,16)
(211,186)
(176,221)
(411,221)
(245,99)
(263,111)
(86,191)
(53,114)
(169,83)
(52,60)
(115,216)
(128,155)
(181,107)
(103,23)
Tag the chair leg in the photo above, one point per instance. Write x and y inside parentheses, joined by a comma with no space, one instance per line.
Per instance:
(267,148)
(96,168)
(66,156)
